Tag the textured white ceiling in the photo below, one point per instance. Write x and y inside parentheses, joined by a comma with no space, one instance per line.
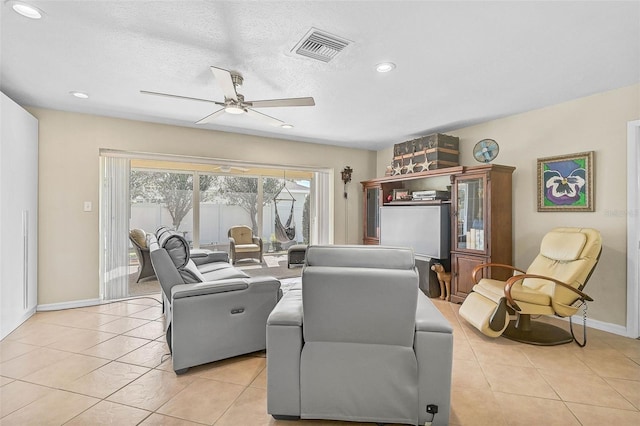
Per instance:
(458,63)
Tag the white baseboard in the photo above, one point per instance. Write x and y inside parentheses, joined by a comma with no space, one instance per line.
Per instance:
(6,328)
(620,330)
(68,305)
(82,303)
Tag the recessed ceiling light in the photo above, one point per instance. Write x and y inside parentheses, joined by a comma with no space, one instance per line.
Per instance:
(286,126)
(25,9)
(80,95)
(385,67)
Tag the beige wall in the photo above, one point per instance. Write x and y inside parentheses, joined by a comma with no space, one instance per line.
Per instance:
(69,175)
(595,123)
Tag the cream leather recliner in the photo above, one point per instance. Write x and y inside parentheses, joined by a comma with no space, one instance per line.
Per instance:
(552,285)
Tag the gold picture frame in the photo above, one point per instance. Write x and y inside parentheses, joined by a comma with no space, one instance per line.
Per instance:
(566,183)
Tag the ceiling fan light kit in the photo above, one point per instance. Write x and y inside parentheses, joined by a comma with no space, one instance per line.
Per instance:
(234,109)
(234,102)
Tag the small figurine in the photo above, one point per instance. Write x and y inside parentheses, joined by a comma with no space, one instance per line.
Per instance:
(444,278)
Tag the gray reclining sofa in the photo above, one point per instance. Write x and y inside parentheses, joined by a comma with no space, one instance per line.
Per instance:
(358,341)
(212,310)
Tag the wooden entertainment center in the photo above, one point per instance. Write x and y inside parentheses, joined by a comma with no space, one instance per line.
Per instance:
(481,214)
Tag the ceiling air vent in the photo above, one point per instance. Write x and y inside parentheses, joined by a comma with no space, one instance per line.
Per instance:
(320,45)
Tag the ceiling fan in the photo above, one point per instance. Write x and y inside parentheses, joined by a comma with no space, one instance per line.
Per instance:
(234,102)
(227,169)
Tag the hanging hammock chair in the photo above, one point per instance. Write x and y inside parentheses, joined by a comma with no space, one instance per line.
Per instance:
(287,232)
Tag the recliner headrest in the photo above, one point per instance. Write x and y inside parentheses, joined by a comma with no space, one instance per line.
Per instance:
(360,257)
(176,246)
(563,246)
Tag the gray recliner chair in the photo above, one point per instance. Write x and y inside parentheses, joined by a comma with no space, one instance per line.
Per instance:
(358,341)
(213,311)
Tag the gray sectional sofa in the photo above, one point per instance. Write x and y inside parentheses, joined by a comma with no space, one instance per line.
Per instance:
(213,310)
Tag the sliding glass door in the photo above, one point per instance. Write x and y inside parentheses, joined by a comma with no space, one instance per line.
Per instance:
(203,201)
(162,198)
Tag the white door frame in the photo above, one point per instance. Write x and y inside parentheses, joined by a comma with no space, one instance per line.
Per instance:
(633,229)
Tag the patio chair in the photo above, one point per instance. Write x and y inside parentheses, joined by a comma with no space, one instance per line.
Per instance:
(243,244)
(139,240)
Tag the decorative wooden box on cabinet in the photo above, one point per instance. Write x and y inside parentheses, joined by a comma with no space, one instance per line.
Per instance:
(481,220)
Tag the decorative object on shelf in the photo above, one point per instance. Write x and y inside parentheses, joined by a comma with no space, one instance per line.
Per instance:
(346,178)
(409,167)
(486,150)
(565,183)
(444,279)
(400,194)
(389,170)
(430,152)
(426,165)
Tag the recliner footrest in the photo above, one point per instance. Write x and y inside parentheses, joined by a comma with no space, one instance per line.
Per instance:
(478,310)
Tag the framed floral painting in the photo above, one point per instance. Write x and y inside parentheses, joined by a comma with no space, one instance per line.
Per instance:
(565,183)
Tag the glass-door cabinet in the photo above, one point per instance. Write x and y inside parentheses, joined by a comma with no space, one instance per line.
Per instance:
(481,225)
(371,219)
(469,214)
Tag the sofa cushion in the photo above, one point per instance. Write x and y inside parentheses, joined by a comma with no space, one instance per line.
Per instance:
(214,266)
(224,274)
(190,273)
(247,248)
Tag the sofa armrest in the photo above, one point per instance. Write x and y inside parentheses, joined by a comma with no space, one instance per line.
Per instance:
(284,346)
(212,287)
(288,311)
(265,284)
(429,318)
(433,345)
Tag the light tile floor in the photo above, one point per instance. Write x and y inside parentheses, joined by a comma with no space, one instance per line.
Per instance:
(109,364)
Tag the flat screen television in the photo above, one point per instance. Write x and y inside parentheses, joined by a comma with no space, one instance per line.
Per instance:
(423,228)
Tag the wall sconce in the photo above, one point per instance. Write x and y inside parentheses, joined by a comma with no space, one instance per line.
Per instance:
(346,174)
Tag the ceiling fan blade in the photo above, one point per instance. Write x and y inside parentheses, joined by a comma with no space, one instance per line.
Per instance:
(223,77)
(264,117)
(146,92)
(282,102)
(209,118)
